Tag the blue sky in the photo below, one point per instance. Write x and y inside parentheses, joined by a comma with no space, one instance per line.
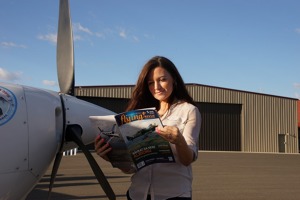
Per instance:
(250,45)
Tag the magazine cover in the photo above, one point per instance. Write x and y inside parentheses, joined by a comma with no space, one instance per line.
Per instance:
(108,129)
(145,146)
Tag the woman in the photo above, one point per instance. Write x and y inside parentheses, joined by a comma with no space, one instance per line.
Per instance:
(160,85)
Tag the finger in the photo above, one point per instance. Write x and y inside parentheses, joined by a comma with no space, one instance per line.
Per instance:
(97,139)
(100,143)
(103,151)
(162,129)
(157,130)
(104,154)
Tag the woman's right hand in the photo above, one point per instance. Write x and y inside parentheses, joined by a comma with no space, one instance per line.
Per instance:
(101,147)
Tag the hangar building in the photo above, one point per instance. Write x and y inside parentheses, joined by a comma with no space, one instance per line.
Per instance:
(232,120)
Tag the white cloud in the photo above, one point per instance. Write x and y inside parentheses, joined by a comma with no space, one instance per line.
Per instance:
(105,33)
(51,37)
(122,33)
(297,85)
(79,27)
(297,94)
(11,45)
(261,90)
(77,37)
(49,83)
(147,36)
(136,39)
(9,76)
(79,30)
(100,35)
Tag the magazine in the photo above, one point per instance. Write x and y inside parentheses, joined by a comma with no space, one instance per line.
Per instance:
(133,138)
(108,130)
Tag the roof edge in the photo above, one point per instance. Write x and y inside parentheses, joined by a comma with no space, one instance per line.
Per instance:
(192,84)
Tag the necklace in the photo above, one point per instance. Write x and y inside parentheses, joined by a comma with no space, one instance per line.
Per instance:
(168,109)
(162,113)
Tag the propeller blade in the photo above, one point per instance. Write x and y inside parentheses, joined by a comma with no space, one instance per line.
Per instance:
(73,133)
(54,171)
(65,50)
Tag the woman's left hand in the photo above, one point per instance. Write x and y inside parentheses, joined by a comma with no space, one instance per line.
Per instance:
(171,134)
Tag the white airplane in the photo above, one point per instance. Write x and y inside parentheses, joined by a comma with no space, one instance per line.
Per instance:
(37,125)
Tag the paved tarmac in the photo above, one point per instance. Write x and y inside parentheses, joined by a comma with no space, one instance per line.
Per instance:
(217,176)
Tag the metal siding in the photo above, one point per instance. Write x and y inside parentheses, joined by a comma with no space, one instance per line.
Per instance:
(113,104)
(107,91)
(263,117)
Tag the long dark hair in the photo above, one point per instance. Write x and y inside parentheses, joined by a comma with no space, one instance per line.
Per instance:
(142,97)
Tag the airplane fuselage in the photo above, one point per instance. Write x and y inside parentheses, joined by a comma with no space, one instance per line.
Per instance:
(31,130)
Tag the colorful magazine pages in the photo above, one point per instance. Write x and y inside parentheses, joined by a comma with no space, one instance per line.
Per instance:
(145,146)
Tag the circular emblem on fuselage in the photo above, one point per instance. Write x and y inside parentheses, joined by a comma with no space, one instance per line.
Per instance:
(8,105)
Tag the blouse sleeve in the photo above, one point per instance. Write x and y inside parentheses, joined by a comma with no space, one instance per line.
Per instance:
(192,130)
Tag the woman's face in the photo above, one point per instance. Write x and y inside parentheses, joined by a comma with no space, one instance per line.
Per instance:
(160,83)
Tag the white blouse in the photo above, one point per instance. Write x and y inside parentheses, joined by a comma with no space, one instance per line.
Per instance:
(166,180)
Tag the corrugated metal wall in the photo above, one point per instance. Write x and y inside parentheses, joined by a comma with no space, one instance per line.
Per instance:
(263,117)
(113,104)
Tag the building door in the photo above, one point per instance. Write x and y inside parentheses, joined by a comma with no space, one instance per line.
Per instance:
(221,127)
(281,143)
